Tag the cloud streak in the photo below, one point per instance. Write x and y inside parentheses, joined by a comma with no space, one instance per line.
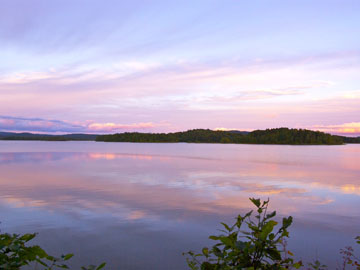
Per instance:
(8,123)
(342,129)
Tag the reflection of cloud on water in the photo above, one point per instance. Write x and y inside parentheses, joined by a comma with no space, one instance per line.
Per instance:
(37,157)
(169,186)
(107,156)
(128,200)
(137,214)
(184,190)
(351,189)
(23,202)
(77,209)
(110,156)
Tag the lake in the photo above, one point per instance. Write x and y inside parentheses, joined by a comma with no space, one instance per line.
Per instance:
(139,206)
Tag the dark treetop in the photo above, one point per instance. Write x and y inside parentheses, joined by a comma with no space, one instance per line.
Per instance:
(269,136)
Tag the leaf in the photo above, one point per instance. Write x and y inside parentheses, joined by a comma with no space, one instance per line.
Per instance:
(51,258)
(217,251)
(248,214)
(41,262)
(271,215)
(101,266)
(256,202)
(287,222)
(38,251)
(265,202)
(67,256)
(269,226)
(27,237)
(274,254)
(226,226)
(213,237)
(358,239)
(240,245)
(253,227)
(227,241)
(207,266)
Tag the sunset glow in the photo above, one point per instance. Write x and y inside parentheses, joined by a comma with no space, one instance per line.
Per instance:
(163,66)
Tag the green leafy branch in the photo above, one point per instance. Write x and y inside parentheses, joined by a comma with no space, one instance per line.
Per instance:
(15,253)
(256,247)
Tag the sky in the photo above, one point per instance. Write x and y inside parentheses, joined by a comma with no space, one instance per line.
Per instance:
(93,66)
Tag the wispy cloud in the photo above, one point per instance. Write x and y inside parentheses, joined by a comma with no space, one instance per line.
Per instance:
(112,127)
(8,123)
(342,129)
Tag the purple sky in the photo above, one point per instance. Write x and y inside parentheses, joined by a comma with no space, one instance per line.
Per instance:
(112,66)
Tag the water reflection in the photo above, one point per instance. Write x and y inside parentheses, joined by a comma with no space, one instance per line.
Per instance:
(161,200)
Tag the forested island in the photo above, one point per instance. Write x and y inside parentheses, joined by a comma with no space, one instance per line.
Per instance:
(269,136)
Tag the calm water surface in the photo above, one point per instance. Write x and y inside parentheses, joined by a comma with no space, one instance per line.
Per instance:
(139,206)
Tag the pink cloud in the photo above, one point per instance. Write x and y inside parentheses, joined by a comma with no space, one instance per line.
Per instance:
(299,92)
(352,129)
(6,122)
(113,127)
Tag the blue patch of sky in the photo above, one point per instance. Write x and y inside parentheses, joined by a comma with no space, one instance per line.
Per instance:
(43,34)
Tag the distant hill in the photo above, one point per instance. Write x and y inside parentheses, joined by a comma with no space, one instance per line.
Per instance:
(269,136)
(46,137)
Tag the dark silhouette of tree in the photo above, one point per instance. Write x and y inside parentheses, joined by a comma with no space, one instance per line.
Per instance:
(269,136)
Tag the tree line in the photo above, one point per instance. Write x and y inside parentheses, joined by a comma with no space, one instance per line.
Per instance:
(268,136)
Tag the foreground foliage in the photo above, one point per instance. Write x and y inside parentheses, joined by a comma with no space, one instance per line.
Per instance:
(254,241)
(349,258)
(15,253)
(257,242)
(259,246)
